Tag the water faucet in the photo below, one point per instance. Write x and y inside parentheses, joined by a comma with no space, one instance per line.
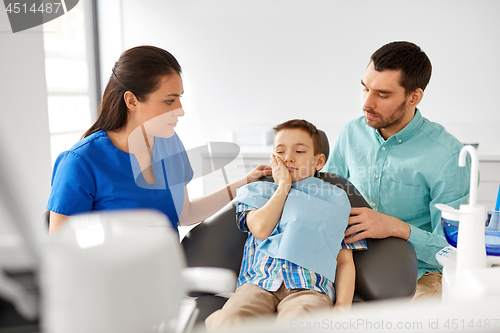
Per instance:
(474,171)
(471,249)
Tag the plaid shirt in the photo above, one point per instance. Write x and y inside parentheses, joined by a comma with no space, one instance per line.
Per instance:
(269,273)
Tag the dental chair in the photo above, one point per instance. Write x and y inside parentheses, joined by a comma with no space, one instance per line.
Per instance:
(387,270)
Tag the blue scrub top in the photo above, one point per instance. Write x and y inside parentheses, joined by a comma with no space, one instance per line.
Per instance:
(95,175)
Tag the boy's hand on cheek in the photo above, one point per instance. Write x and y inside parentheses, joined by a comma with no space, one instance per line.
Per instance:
(281,174)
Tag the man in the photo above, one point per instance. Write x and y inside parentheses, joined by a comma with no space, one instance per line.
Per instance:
(402,163)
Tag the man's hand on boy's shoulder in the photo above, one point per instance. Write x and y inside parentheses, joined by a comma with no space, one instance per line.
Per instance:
(372,224)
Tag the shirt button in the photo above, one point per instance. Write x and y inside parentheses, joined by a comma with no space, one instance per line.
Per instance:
(284,266)
(374,204)
(383,148)
(400,140)
(376,176)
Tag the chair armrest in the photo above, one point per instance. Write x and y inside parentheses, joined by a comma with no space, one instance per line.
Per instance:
(388,269)
(217,242)
(208,280)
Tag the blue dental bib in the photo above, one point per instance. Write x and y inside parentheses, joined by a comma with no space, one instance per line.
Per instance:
(312,223)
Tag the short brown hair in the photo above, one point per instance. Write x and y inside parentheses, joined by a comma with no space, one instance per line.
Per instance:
(306,127)
(415,66)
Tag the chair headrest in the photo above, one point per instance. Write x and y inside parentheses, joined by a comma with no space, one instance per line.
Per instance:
(324,142)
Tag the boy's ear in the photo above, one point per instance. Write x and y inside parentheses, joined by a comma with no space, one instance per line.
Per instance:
(321,162)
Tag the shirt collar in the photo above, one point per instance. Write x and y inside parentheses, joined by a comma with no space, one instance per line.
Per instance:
(166,148)
(407,132)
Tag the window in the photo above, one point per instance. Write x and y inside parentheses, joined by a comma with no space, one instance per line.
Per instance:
(70,68)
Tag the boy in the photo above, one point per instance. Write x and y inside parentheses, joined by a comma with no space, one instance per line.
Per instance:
(296,226)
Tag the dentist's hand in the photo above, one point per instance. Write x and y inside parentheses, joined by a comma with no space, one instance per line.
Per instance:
(372,224)
(258,173)
(281,174)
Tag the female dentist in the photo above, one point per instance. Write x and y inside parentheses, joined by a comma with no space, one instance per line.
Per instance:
(131,157)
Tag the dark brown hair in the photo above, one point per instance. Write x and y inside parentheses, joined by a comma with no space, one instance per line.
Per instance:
(139,70)
(415,66)
(306,127)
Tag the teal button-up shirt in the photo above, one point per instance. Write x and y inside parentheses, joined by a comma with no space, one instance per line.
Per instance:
(405,176)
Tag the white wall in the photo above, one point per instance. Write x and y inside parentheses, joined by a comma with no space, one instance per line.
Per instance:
(24,125)
(262,62)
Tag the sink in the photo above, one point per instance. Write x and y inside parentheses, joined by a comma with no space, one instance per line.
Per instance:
(492,235)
